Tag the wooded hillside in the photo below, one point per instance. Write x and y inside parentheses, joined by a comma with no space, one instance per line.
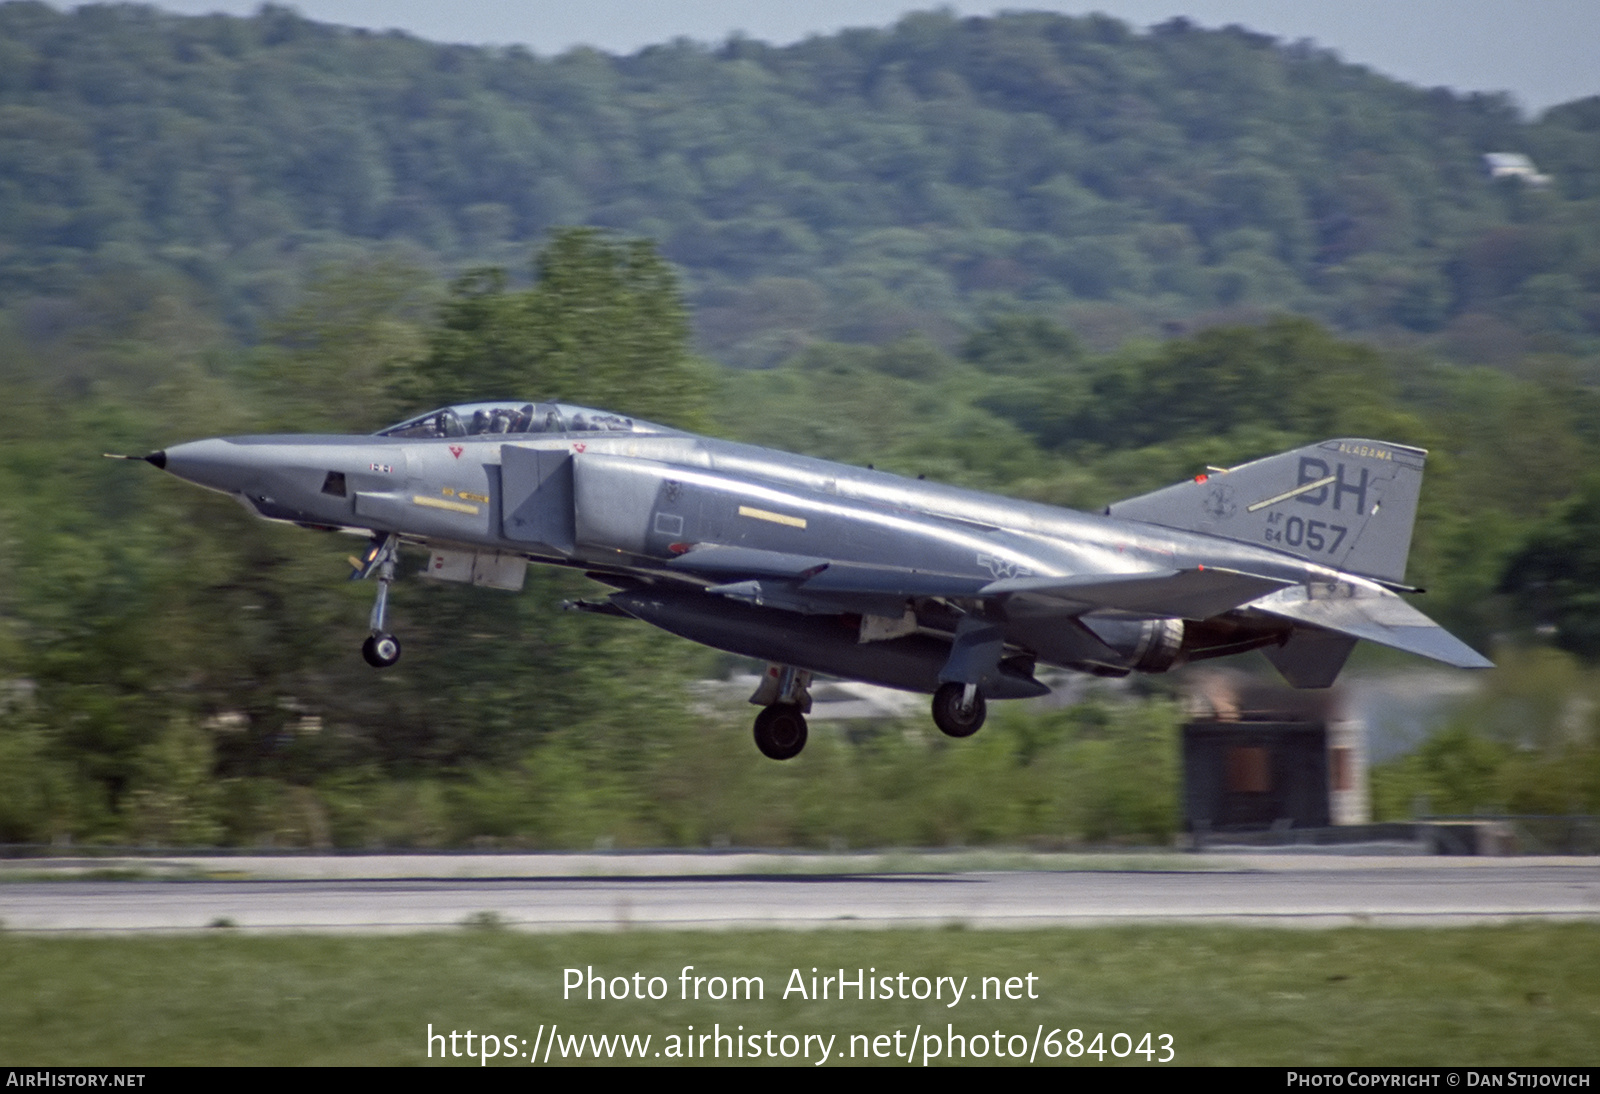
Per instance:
(848,187)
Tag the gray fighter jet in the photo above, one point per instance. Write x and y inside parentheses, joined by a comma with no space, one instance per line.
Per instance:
(815,567)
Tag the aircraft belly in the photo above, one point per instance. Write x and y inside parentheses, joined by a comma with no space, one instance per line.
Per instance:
(382,510)
(825,644)
(426,517)
(1060,642)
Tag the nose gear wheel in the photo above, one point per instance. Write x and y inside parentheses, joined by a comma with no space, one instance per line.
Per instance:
(381,650)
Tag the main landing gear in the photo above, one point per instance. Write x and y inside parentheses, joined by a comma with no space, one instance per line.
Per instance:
(381,649)
(780,729)
(959,709)
(975,651)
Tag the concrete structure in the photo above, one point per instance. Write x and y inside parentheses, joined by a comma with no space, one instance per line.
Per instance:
(1261,758)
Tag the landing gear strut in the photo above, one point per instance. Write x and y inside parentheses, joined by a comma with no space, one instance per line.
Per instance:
(781,725)
(959,709)
(381,649)
(975,652)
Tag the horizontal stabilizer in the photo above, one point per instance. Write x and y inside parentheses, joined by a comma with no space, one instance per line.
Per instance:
(1175,594)
(1375,615)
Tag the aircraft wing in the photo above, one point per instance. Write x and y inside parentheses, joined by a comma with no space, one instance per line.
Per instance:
(1376,615)
(1183,594)
(714,559)
(1190,594)
(819,576)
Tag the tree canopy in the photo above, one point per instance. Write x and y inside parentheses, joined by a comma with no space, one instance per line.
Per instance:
(603,325)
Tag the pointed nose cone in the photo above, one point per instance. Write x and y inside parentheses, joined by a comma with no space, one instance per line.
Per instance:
(280,477)
(216,463)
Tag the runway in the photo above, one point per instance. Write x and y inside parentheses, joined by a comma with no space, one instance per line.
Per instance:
(426,893)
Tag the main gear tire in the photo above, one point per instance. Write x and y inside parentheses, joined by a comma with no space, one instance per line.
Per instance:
(949,716)
(780,731)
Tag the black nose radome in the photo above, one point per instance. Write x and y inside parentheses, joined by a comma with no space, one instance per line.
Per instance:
(157,459)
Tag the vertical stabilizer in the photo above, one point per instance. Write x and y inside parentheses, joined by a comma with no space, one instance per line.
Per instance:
(1348,504)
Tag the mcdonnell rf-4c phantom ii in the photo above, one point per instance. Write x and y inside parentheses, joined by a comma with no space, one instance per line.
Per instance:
(815,567)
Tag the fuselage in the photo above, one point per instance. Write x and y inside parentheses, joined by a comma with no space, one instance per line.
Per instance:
(658,492)
(628,507)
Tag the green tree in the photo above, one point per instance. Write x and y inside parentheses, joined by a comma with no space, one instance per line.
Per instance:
(604,324)
(334,359)
(1555,578)
(1289,374)
(1022,345)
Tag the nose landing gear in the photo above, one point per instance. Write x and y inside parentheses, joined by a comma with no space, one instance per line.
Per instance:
(381,649)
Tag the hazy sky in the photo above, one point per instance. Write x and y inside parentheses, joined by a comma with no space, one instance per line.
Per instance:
(1542,51)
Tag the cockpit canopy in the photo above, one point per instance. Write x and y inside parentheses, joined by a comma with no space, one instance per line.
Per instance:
(511,416)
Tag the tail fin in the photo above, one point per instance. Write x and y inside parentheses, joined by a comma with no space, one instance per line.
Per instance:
(1347,504)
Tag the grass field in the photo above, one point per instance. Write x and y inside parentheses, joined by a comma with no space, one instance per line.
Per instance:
(1521,995)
